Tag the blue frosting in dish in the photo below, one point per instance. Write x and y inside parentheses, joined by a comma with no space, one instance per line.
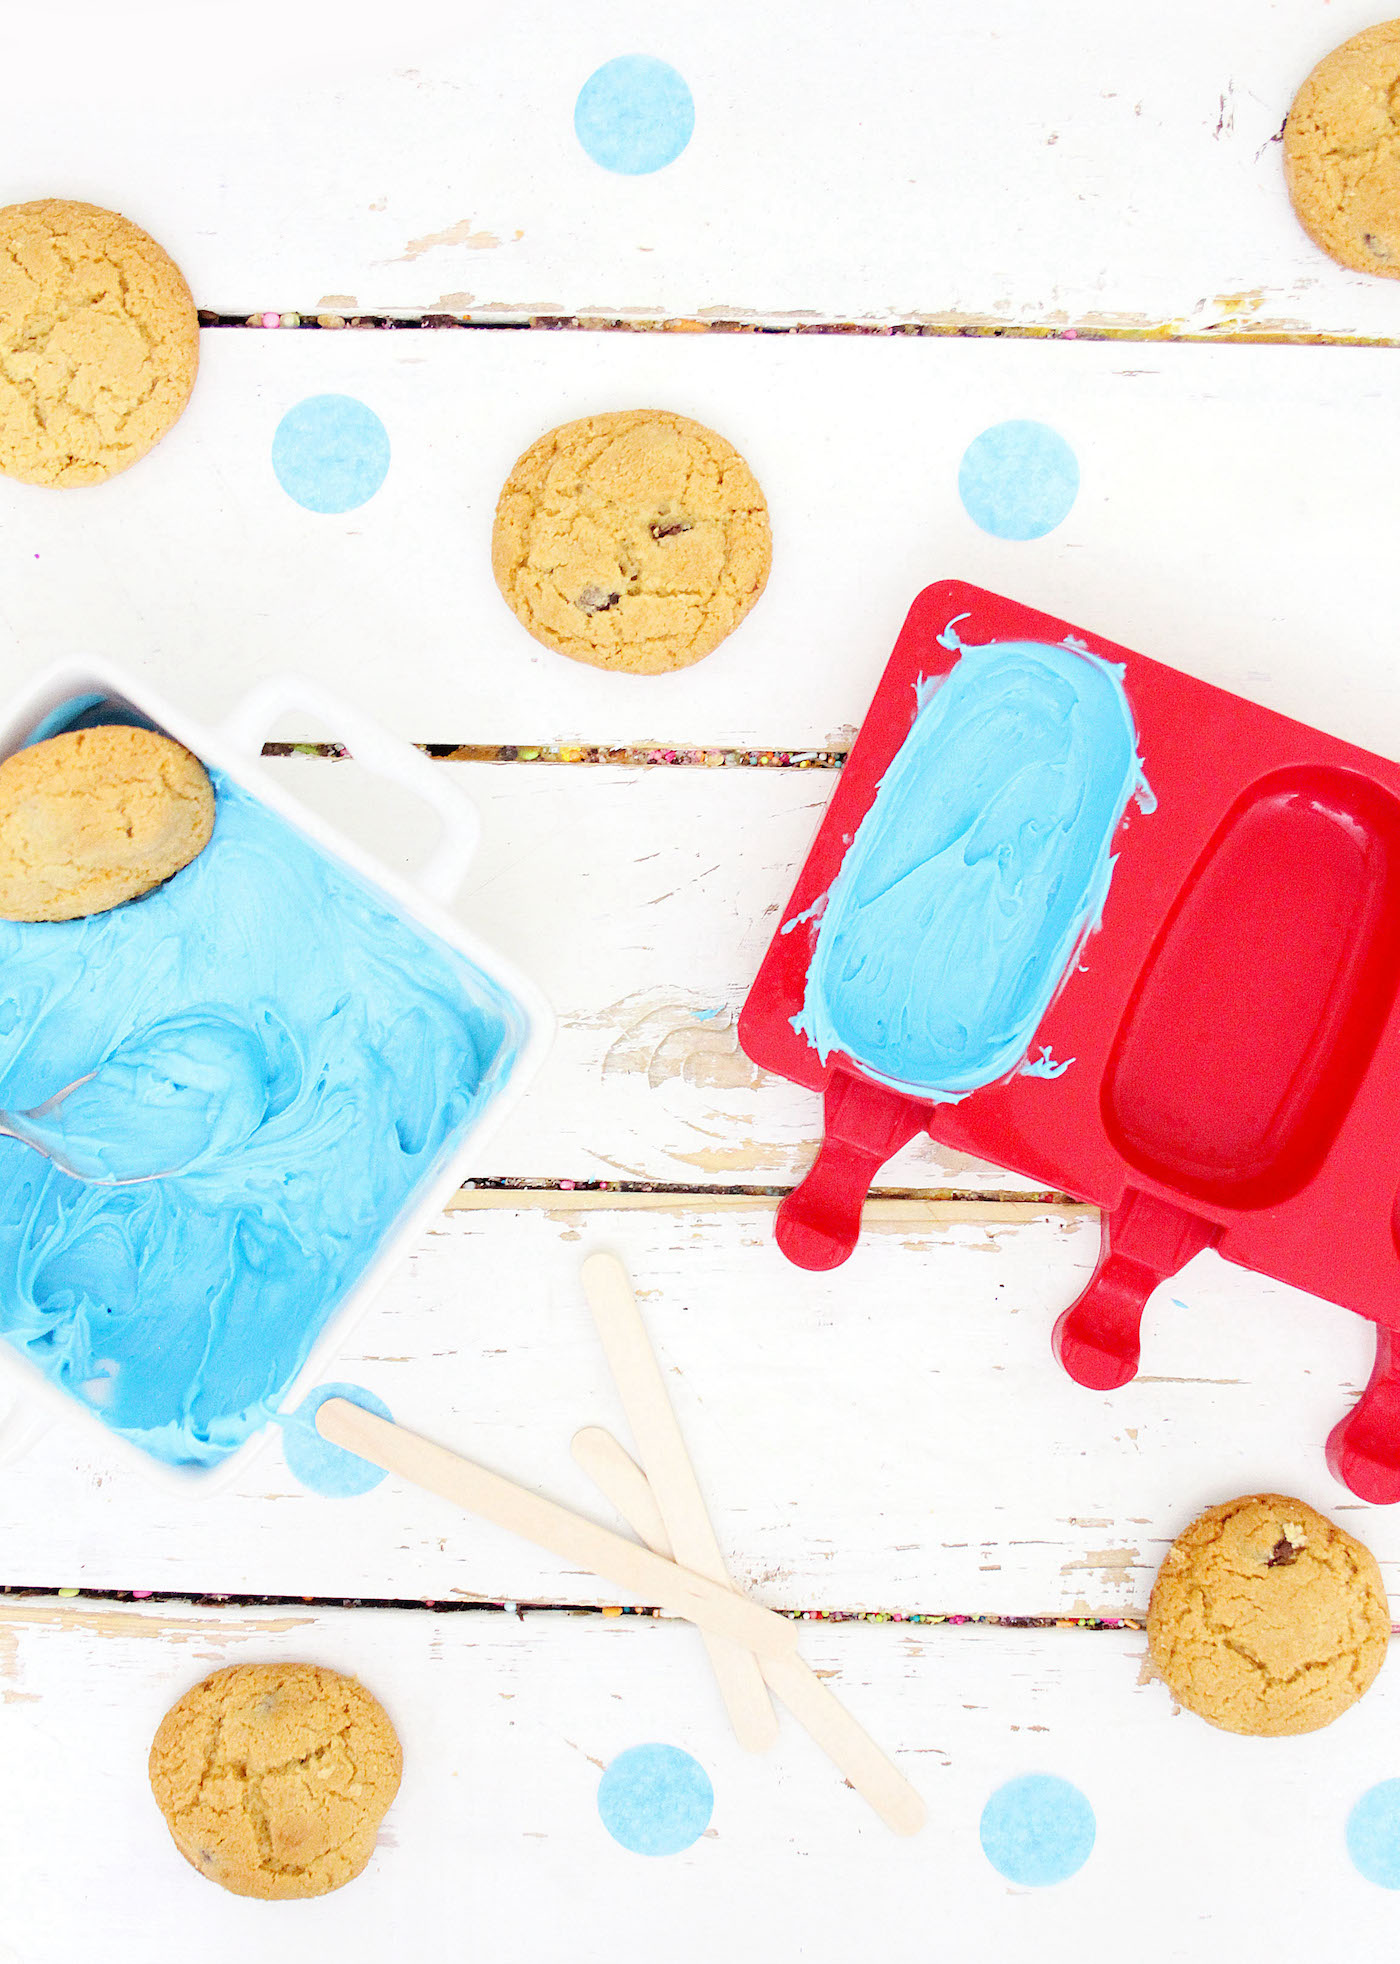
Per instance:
(301,1053)
(198,1083)
(977,872)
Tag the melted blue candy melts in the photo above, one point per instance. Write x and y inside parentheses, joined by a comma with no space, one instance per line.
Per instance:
(1018,480)
(655,1800)
(325,1468)
(975,876)
(1037,1830)
(200,1078)
(634,115)
(317,1078)
(1373,1834)
(330,453)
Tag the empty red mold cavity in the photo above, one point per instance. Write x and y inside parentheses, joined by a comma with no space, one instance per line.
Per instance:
(1264,995)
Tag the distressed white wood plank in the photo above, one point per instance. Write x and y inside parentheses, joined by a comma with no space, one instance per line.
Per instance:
(892,1435)
(1081,164)
(1235,507)
(641,901)
(507,1724)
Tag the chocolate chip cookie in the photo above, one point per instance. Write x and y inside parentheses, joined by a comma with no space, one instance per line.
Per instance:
(273,1778)
(99,342)
(1341,149)
(1267,1618)
(634,541)
(92,818)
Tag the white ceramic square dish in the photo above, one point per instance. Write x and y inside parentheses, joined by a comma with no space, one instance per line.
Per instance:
(233,750)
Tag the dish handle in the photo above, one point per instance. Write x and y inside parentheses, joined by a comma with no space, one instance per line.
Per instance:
(864,1124)
(387,756)
(1145,1240)
(23,1424)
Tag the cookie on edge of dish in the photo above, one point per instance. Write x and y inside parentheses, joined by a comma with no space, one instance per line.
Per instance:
(274,1778)
(99,342)
(1341,152)
(1267,1618)
(93,818)
(635,540)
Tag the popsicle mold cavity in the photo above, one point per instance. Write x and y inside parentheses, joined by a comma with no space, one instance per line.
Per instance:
(975,876)
(302,1053)
(1267,988)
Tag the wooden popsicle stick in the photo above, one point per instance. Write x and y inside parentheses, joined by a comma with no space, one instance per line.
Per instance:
(674,1486)
(636,1571)
(847,1744)
(619,1479)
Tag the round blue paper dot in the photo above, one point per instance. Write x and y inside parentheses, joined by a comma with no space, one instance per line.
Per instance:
(1038,1829)
(1018,480)
(655,1800)
(325,1468)
(634,115)
(330,453)
(1373,1834)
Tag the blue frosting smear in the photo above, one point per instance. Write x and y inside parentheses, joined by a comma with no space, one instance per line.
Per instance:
(978,871)
(301,1052)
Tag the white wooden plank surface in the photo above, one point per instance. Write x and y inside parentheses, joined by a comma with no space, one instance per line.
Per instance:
(641,902)
(507,1724)
(1082,164)
(893,1435)
(1236,507)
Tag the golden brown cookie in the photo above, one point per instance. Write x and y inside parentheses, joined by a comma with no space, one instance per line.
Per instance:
(94,817)
(1267,1618)
(99,342)
(635,541)
(273,1778)
(1341,152)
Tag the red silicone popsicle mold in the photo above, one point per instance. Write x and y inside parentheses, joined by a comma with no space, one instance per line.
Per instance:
(1233,1022)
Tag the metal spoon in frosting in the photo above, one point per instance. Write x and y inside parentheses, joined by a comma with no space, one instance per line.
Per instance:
(168,1097)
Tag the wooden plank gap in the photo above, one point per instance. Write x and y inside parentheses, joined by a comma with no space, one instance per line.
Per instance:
(107,1610)
(1233,330)
(881,1210)
(637,756)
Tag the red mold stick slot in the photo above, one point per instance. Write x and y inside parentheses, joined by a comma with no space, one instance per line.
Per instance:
(864,1124)
(1233,1023)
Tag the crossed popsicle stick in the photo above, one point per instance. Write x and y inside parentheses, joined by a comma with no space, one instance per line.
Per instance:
(676,1563)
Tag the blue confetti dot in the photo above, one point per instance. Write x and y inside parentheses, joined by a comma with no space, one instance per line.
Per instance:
(1038,1829)
(634,115)
(655,1800)
(1373,1834)
(1018,480)
(330,453)
(325,1468)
